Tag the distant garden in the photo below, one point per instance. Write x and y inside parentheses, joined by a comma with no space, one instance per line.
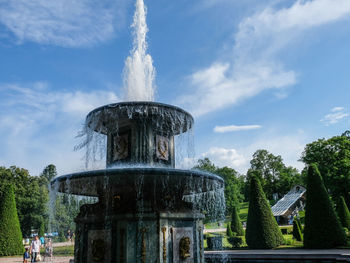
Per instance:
(25,208)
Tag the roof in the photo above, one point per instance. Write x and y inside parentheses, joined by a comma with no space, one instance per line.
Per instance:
(283,205)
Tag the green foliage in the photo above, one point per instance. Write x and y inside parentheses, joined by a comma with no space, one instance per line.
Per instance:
(332,157)
(41,230)
(31,196)
(236,224)
(235,241)
(243,211)
(49,173)
(322,227)
(234,183)
(214,242)
(274,176)
(10,231)
(229,232)
(343,213)
(262,229)
(297,230)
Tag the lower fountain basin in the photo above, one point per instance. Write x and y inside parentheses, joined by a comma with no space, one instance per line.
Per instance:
(156,188)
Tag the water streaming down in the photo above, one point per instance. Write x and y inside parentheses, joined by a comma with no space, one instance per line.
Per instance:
(139,73)
(147,209)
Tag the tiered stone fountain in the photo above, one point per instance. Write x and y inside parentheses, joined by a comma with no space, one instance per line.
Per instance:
(145,210)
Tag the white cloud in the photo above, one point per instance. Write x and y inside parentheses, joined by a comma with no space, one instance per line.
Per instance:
(38,125)
(289,146)
(232,128)
(226,157)
(254,66)
(68,23)
(337,114)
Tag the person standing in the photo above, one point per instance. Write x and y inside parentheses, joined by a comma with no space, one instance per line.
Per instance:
(26,256)
(42,240)
(35,248)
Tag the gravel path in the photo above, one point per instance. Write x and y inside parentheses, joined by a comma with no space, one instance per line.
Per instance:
(20,259)
(56,259)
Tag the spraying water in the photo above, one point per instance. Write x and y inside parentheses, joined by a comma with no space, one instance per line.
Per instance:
(139,73)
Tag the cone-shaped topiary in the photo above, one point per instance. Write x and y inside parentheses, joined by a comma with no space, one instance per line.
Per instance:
(322,226)
(41,230)
(10,231)
(236,224)
(343,213)
(299,224)
(262,229)
(229,232)
(297,231)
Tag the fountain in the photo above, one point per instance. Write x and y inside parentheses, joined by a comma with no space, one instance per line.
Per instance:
(147,211)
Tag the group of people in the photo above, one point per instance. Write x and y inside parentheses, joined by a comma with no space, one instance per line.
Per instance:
(33,251)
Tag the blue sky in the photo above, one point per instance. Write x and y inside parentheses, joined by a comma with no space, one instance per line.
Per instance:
(270,74)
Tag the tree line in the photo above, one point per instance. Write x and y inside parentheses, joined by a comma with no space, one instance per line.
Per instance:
(32,201)
(332,157)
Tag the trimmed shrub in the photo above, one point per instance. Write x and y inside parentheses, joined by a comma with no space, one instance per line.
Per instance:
(236,225)
(322,226)
(214,242)
(262,229)
(41,230)
(343,213)
(297,231)
(235,241)
(299,224)
(229,232)
(10,231)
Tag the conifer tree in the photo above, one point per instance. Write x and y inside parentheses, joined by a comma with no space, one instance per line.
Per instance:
(41,230)
(229,232)
(10,231)
(322,226)
(262,229)
(236,225)
(343,213)
(297,230)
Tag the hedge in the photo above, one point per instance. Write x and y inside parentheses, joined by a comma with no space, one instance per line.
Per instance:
(236,225)
(262,229)
(322,226)
(343,213)
(10,231)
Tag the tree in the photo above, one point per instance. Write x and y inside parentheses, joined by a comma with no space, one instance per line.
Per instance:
(41,232)
(205,165)
(236,225)
(234,183)
(262,230)
(343,213)
(10,231)
(49,173)
(30,194)
(229,232)
(274,175)
(332,157)
(233,187)
(322,227)
(297,230)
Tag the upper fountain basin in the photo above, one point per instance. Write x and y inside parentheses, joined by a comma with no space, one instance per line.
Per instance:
(163,117)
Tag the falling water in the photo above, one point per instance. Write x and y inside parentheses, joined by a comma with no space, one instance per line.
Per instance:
(139,72)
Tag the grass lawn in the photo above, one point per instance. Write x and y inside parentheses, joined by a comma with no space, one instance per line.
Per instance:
(243,211)
(61,251)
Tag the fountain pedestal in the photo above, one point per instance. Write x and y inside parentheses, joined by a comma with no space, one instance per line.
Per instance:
(147,211)
(148,237)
